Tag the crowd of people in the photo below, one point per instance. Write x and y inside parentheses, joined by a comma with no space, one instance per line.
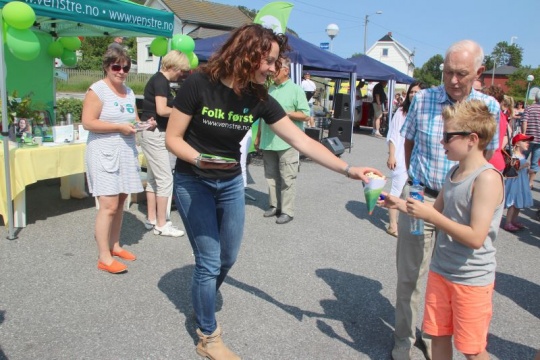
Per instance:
(447,138)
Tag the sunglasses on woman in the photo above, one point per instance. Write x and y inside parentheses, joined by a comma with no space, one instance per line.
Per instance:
(447,136)
(118,67)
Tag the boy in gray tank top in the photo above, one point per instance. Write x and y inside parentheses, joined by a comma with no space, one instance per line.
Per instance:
(467,214)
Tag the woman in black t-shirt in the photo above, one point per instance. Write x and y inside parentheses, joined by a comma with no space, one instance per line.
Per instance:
(212,112)
(157,104)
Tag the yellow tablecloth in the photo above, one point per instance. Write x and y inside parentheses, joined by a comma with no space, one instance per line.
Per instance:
(29,165)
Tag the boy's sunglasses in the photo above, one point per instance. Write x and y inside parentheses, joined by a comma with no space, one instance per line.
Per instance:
(118,67)
(447,136)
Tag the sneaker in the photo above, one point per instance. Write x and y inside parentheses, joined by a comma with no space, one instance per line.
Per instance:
(401,353)
(149,225)
(168,230)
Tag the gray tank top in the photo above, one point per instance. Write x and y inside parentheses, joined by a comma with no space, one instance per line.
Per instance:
(453,260)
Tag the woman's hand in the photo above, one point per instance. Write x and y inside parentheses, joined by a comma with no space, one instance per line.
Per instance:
(127,129)
(359,173)
(391,162)
(152,123)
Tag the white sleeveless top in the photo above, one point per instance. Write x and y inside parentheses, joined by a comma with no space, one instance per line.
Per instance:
(111,158)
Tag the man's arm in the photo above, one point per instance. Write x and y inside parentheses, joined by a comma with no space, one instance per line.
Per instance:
(409,145)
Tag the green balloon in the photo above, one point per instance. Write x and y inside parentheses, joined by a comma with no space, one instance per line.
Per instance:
(56,49)
(183,43)
(69,58)
(19,15)
(71,43)
(193,60)
(158,46)
(23,44)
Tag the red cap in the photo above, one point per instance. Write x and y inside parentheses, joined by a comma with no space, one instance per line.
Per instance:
(521,137)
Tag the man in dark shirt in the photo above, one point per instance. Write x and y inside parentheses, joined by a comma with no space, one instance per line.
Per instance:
(379,105)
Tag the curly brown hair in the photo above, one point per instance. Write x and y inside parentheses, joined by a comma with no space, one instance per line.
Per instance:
(241,55)
(495,92)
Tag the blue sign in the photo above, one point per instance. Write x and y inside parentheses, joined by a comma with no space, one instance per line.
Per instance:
(325,46)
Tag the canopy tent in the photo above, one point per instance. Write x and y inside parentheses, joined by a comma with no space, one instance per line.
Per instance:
(302,52)
(370,69)
(55,18)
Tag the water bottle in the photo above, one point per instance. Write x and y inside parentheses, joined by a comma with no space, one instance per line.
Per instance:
(416,191)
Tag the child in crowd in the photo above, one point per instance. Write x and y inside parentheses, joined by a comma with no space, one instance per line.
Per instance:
(518,192)
(467,215)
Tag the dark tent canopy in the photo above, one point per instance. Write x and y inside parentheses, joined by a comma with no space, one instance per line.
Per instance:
(302,52)
(370,69)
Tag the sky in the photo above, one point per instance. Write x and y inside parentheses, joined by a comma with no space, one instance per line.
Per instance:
(427,27)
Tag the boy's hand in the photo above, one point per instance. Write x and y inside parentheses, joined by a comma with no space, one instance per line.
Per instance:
(391,202)
(419,209)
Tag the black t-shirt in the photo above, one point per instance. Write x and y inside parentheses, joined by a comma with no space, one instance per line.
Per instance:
(379,89)
(158,85)
(220,121)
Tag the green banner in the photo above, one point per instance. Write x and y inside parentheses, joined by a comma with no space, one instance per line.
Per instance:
(275,16)
(98,18)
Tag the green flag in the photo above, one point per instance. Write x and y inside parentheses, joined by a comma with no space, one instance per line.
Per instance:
(274,16)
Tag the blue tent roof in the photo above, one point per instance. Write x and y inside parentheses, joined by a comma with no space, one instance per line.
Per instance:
(302,52)
(371,70)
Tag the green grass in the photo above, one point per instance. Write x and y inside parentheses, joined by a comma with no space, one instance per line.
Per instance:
(80,81)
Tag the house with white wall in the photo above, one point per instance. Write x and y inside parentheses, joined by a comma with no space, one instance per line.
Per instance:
(196,18)
(392,53)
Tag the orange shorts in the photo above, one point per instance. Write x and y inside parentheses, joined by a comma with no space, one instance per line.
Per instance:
(460,310)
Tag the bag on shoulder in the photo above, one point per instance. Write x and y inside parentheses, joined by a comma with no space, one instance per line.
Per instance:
(511,165)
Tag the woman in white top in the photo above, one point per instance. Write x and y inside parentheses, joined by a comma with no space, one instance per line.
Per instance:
(396,153)
(110,114)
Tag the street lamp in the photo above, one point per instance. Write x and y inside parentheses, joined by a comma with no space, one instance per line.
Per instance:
(332,30)
(441,67)
(493,70)
(512,40)
(530,78)
(366,20)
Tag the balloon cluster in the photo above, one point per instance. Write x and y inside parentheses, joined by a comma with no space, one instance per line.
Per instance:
(64,48)
(182,43)
(21,41)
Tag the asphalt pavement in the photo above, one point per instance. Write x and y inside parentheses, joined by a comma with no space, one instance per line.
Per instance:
(320,287)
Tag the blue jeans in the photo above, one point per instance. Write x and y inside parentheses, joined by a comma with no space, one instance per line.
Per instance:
(534,149)
(213,212)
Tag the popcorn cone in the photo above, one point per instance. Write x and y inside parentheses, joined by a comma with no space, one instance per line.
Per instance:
(372,190)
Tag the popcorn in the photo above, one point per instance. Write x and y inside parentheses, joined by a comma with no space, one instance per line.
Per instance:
(372,175)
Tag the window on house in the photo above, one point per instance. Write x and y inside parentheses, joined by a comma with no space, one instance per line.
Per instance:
(148,53)
(385,52)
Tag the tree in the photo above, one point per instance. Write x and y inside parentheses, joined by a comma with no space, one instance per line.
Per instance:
(517,82)
(430,73)
(93,48)
(504,54)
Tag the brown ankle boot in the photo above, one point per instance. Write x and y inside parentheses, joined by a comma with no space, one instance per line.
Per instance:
(213,348)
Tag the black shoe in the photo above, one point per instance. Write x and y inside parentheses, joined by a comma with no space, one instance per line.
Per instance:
(283,219)
(270,212)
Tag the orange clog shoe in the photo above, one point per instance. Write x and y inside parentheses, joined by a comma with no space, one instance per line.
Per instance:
(116,267)
(124,254)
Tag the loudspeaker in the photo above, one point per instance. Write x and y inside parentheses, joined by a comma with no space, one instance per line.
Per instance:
(342,106)
(314,133)
(334,145)
(342,129)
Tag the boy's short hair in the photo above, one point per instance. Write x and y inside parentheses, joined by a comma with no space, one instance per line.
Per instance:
(473,116)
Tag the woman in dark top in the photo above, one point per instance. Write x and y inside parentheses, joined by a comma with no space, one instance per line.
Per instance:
(211,114)
(157,104)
